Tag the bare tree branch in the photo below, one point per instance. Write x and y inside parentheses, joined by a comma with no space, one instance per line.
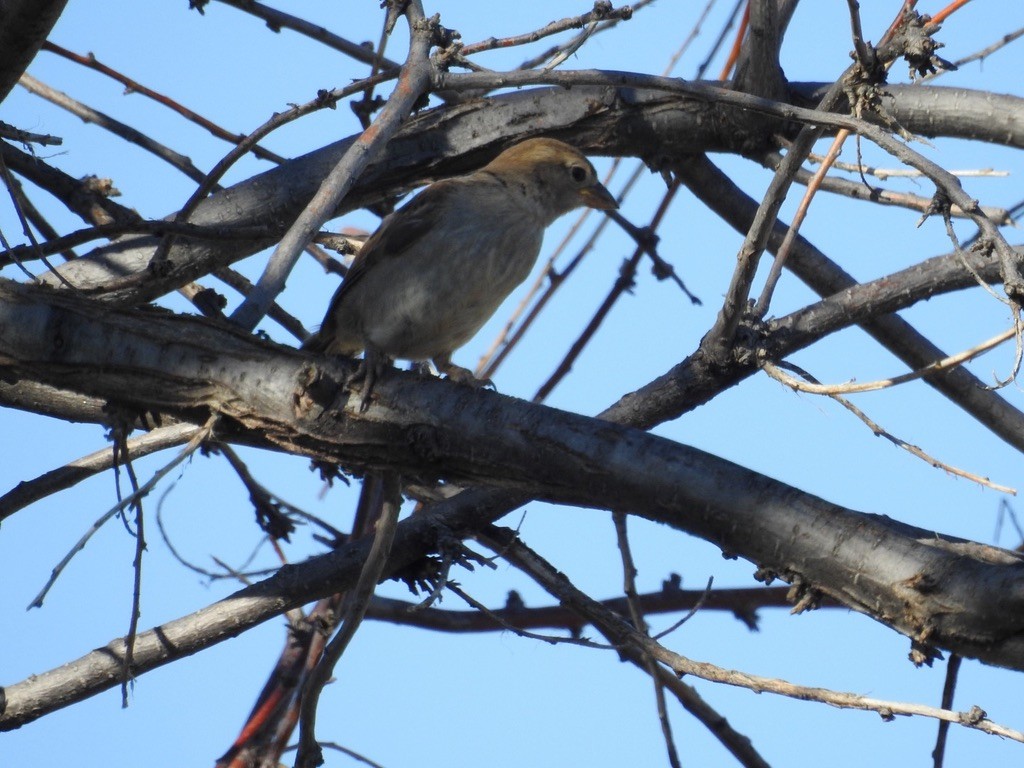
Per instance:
(678,389)
(412,82)
(939,591)
(604,120)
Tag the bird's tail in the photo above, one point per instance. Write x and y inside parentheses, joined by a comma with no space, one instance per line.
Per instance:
(326,342)
(318,343)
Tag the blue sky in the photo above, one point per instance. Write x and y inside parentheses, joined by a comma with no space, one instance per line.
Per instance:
(495,698)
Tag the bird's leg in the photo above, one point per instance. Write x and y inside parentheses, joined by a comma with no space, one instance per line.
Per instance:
(457,373)
(370,368)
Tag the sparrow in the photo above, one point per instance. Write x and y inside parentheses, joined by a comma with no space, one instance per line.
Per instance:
(437,268)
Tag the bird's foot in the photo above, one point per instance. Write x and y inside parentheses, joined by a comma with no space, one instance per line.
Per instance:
(461,375)
(370,369)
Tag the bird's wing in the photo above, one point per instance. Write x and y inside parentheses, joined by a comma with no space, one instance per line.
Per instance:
(397,234)
(394,238)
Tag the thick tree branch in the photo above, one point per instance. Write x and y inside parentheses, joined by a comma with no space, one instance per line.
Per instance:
(676,390)
(941,592)
(604,120)
(24,25)
(758,70)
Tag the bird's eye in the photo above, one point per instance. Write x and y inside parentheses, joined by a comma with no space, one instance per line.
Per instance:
(578,173)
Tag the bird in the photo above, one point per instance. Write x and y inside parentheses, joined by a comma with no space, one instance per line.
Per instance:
(439,267)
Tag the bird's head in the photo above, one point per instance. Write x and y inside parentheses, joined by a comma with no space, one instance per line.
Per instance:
(562,176)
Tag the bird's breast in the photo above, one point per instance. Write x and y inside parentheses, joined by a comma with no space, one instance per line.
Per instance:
(434,298)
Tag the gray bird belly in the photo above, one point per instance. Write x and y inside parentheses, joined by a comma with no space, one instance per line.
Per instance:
(438,304)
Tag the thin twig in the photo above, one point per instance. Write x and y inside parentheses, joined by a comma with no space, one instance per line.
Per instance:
(948,689)
(239,573)
(637,616)
(946,12)
(344,750)
(776,373)
(121,455)
(413,81)
(15,192)
(356,602)
(532,565)
(602,12)
(277,20)
(509,626)
(877,195)
(628,638)
(701,602)
(30,491)
(872,386)
(1011,303)
(187,451)
(775,272)
(126,132)
(743,603)
(983,53)
(730,21)
(622,283)
(647,240)
(132,86)
(737,43)
(8,131)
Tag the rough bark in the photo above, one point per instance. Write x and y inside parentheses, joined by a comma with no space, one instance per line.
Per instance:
(940,592)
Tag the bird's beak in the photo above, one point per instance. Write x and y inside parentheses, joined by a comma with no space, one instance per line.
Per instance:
(598,197)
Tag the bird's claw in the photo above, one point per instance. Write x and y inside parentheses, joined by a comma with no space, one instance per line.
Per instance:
(460,375)
(367,373)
